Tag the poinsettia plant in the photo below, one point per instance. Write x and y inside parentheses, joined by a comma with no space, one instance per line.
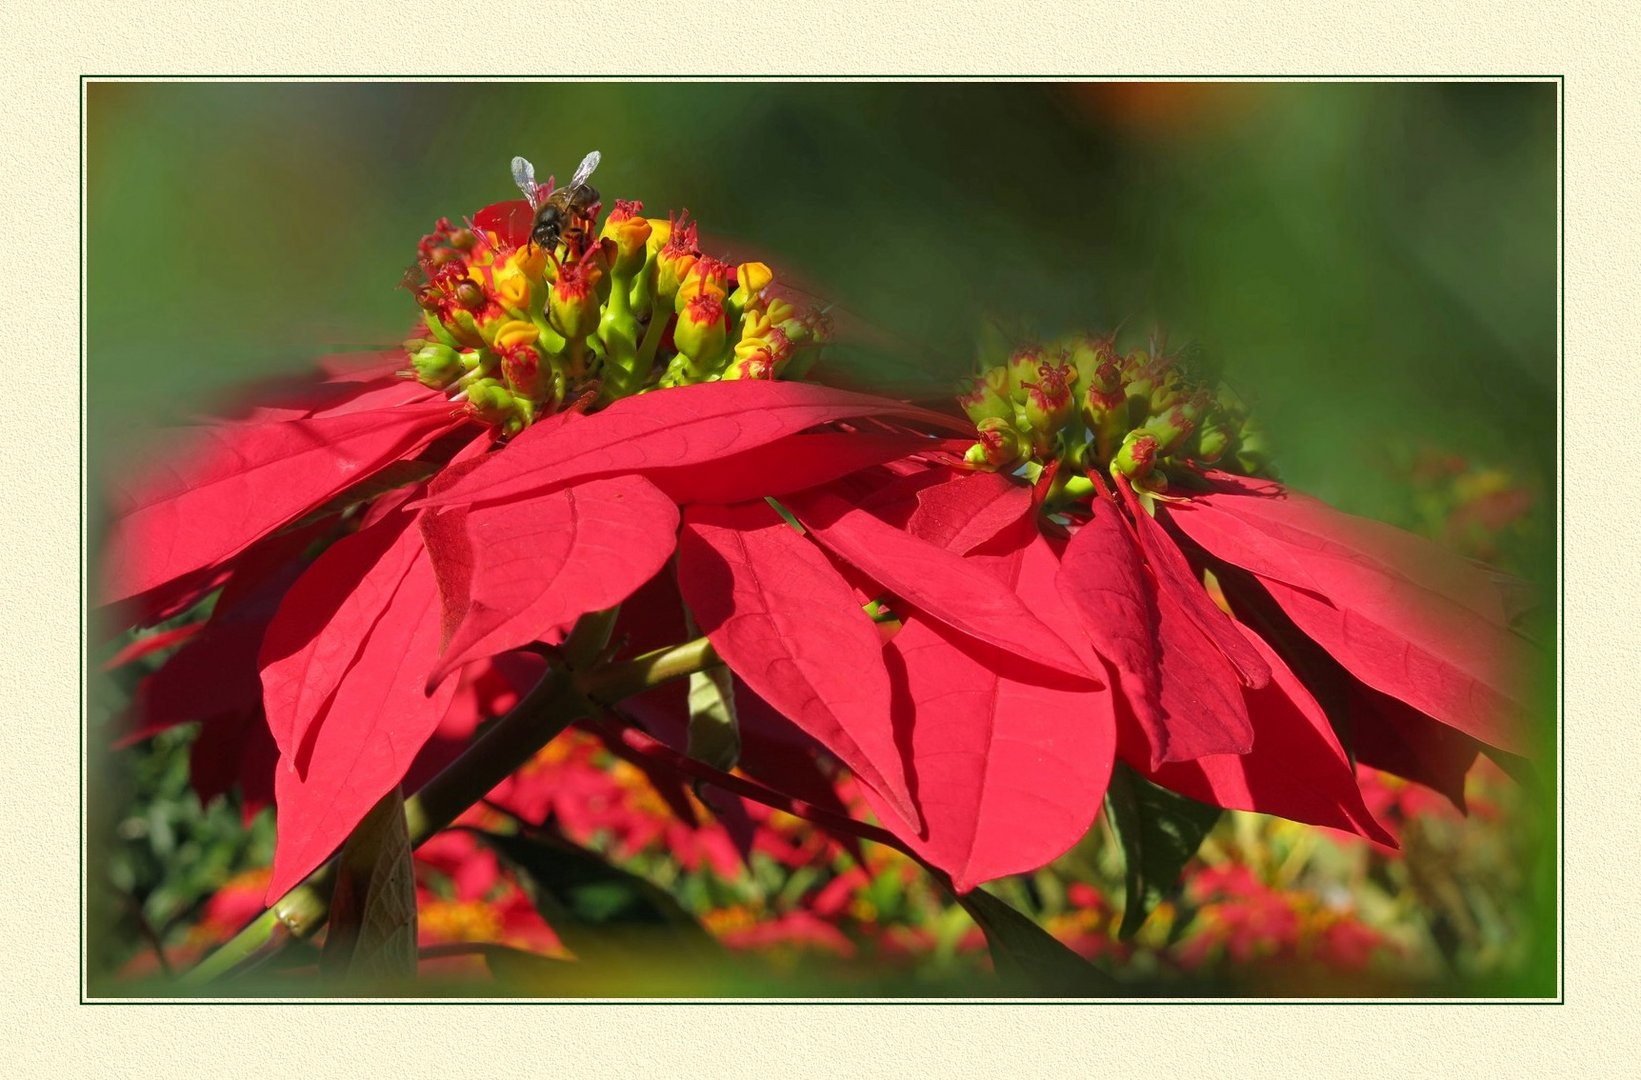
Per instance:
(606,480)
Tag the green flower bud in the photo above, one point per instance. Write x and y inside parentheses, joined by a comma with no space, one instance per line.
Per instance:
(988,396)
(702,333)
(1136,457)
(999,446)
(1088,355)
(1170,430)
(572,305)
(436,365)
(1105,408)
(1139,390)
(1252,451)
(492,403)
(1049,405)
(465,329)
(751,361)
(1022,368)
(751,279)
(528,376)
(674,259)
(1212,444)
(1169,392)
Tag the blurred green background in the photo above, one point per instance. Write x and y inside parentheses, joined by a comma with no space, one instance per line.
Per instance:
(1368,261)
(1372,265)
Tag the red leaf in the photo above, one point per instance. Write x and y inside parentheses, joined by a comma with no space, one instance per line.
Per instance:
(1390,735)
(215,673)
(1202,700)
(681,425)
(1427,628)
(934,581)
(145,646)
(1296,769)
(444,534)
(1173,574)
(1443,660)
(324,621)
(1184,694)
(163,602)
(234,749)
(362,746)
(392,392)
(1313,546)
(967,509)
(538,564)
(785,465)
(788,624)
(294,399)
(246,481)
(887,493)
(1009,774)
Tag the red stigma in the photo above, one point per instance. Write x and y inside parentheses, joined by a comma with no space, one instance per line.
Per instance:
(704,308)
(682,240)
(708,269)
(780,346)
(758,366)
(575,280)
(1144,451)
(1050,390)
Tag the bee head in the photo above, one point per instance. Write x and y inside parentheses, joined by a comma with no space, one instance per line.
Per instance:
(585,197)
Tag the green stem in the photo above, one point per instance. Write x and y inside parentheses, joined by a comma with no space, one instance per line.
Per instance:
(557,701)
(657,328)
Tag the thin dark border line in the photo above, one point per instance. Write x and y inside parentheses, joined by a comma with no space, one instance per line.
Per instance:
(1561,563)
(1561,606)
(781,78)
(85,973)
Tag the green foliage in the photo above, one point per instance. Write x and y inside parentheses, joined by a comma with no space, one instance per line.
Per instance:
(159,855)
(1159,831)
(372,933)
(600,911)
(1028,959)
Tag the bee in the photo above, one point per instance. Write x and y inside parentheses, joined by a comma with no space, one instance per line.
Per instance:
(566,213)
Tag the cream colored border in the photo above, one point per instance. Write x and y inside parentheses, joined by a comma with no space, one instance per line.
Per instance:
(49,1033)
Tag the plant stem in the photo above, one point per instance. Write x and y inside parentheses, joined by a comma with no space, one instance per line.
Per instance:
(553,704)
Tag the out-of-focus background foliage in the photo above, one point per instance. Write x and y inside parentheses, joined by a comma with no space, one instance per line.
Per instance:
(1373,266)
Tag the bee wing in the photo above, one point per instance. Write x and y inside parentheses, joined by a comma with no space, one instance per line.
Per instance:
(524,175)
(585,169)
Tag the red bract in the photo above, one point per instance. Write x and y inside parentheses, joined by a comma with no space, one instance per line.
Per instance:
(540,563)
(1411,651)
(378,719)
(1400,614)
(316,637)
(785,620)
(685,426)
(934,581)
(1296,768)
(432,578)
(244,481)
(1008,768)
(1184,695)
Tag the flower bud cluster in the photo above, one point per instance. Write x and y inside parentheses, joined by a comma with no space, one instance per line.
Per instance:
(517,332)
(1091,407)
